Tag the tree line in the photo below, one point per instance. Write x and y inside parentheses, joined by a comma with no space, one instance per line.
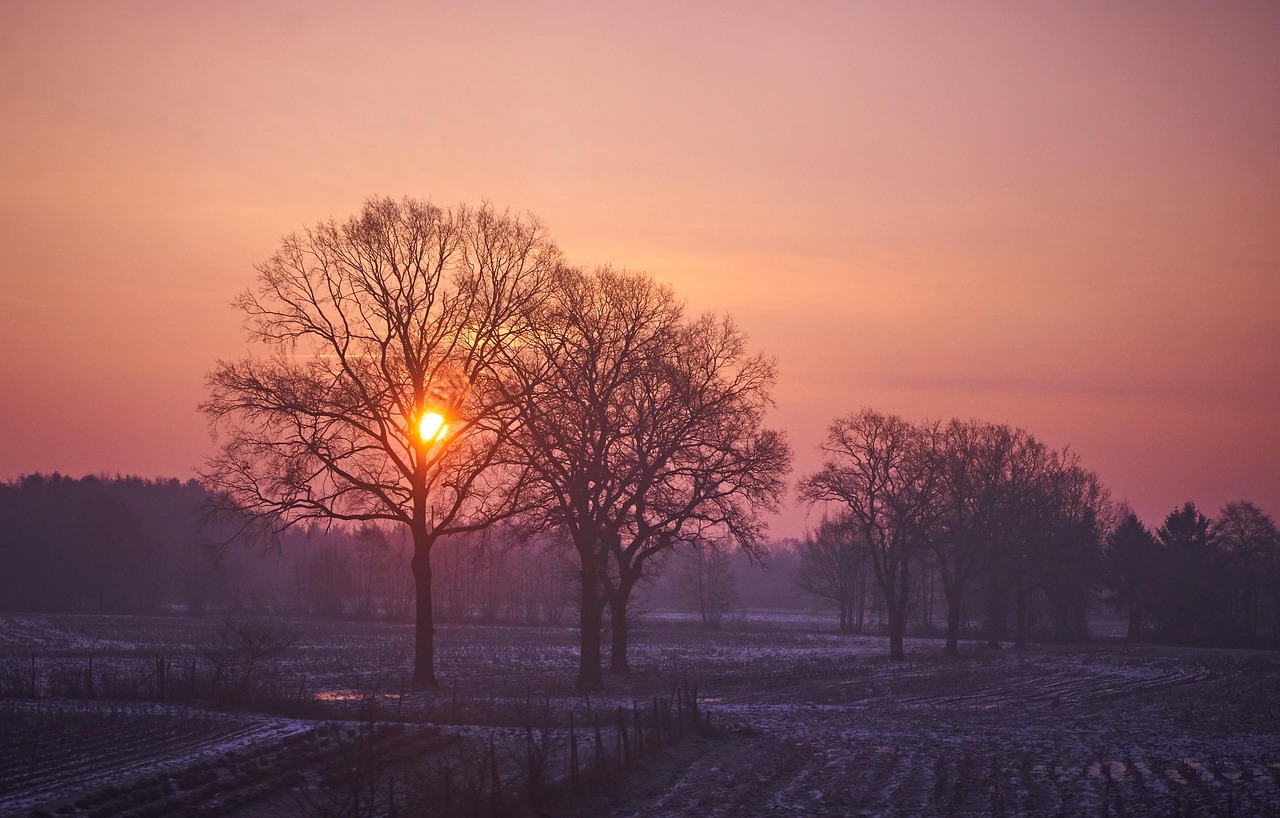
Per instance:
(1198,580)
(1014,532)
(442,378)
(127,545)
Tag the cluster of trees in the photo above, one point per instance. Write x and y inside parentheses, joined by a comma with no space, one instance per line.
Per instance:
(999,518)
(444,370)
(129,545)
(1014,533)
(1198,580)
(75,544)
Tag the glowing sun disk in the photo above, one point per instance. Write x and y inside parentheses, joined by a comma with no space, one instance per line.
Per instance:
(431,426)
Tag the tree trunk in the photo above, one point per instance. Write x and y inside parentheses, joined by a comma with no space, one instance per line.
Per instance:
(1020,612)
(590,611)
(424,671)
(620,595)
(897,628)
(953,592)
(997,610)
(861,611)
(618,629)
(896,603)
(953,629)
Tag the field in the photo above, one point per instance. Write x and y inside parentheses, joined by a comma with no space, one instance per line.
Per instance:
(108,716)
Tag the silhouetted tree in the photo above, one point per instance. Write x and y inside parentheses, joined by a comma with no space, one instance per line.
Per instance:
(371,326)
(1190,601)
(1248,539)
(881,472)
(708,466)
(982,485)
(643,430)
(1069,563)
(705,580)
(1021,543)
(1133,562)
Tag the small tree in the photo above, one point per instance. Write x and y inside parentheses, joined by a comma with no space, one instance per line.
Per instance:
(706,582)
(832,567)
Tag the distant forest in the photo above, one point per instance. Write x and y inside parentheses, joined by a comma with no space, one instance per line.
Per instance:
(135,546)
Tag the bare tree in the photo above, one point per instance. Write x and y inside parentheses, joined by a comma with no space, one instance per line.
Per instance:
(881,472)
(972,461)
(644,430)
(987,471)
(381,397)
(705,580)
(1019,529)
(708,466)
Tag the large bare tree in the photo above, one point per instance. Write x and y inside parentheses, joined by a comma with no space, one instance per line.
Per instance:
(380,395)
(644,431)
(707,465)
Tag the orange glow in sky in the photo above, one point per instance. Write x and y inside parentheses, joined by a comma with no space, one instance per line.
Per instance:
(1064,216)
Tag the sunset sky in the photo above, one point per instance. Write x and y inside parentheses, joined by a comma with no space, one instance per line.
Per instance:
(1063,216)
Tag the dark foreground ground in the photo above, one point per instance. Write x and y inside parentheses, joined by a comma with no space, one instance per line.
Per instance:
(804,722)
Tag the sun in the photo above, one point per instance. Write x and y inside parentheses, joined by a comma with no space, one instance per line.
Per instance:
(431,427)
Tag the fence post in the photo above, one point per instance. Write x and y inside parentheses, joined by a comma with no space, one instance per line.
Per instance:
(495,781)
(573,754)
(622,732)
(599,748)
(680,711)
(635,712)
(657,726)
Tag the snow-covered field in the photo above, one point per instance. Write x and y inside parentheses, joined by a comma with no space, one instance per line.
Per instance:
(813,722)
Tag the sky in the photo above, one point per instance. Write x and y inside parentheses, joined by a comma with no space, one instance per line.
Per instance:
(1063,216)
